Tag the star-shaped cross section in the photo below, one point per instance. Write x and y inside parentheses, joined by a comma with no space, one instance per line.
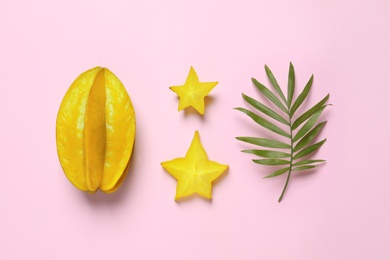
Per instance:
(194,173)
(193,92)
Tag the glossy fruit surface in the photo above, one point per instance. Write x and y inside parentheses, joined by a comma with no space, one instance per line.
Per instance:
(95,131)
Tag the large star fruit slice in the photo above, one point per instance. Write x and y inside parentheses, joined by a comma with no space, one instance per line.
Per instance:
(95,131)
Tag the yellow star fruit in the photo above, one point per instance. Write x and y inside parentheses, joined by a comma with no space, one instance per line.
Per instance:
(95,131)
(193,92)
(195,172)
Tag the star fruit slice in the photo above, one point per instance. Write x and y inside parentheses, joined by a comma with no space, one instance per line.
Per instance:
(193,92)
(95,131)
(194,173)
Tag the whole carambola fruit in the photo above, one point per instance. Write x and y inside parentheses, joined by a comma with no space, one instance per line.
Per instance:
(95,131)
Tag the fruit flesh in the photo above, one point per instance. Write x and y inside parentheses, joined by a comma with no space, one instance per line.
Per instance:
(96,131)
(195,172)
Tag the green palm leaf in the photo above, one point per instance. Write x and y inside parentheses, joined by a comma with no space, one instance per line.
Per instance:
(271,96)
(264,142)
(264,123)
(309,137)
(306,167)
(291,85)
(271,162)
(275,84)
(308,125)
(278,172)
(309,113)
(264,109)
(309,150)
(267,153)
(301,97)
(299,137)
(304,162)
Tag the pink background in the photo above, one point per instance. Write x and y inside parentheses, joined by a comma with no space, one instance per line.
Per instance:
(339,211)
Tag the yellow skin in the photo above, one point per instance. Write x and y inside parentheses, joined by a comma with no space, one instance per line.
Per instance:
(95,131)
(194,173)
(193,92)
